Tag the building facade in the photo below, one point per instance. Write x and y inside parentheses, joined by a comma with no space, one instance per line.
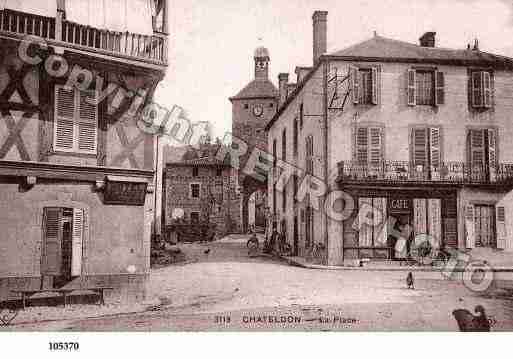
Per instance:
(200,189)
(415,136)
(76,172)
(252,108)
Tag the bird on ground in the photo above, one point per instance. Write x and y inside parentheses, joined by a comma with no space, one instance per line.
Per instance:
(410,282)
(467,322)
(207,252)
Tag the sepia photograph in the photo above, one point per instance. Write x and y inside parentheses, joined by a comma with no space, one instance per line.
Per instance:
(255,166)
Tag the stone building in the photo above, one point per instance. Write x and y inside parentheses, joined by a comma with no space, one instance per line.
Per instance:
(199,189)
(252,108)
(76,173)
(415,132)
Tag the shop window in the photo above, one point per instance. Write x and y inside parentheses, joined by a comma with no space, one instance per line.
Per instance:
(195,189)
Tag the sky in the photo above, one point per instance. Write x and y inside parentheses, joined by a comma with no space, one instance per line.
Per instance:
(212,41)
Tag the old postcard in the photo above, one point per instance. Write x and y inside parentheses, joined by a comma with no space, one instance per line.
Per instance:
(255,166)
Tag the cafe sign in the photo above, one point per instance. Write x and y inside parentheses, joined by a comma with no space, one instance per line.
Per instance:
(125,191)
(400,204)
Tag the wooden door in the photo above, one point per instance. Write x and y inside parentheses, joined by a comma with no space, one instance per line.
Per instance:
(484,219)
(51,256)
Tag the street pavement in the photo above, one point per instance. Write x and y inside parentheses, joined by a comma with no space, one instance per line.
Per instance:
(225,290)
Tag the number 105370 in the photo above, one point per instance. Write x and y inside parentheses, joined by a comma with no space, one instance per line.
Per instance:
(64,346)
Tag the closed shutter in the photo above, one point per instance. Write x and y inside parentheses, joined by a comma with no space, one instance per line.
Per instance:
(77,242)
(354,84)
(380,231)
(65,112)
(412,96)
(470,228)
(435,220)
(477,91)
(435,152)
(362,145)
(487,89)
(440,88)
(365,230)
(87,122)
(52,238)
(375,86)
(492,154)
(419,216)
(477,152)
(501,228)
(420,148)
(376,146)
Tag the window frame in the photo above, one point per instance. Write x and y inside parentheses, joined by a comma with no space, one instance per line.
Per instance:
(191,193)
(76,121)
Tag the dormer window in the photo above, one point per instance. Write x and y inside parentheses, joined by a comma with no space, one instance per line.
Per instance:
(481,89)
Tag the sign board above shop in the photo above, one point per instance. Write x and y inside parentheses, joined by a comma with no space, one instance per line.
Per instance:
(400,204)
(125,191)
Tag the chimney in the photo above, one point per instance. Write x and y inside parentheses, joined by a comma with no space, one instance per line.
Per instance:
(428,39)
(320,34)
(283,80)
(301,72)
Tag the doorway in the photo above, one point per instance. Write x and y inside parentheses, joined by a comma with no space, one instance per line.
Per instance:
(485,226)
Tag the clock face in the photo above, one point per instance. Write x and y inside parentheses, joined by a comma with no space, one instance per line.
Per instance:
(258,110)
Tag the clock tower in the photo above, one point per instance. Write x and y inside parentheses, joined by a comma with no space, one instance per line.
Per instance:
(252,108)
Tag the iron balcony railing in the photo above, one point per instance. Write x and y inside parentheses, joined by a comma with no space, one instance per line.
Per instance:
(149,48)
(403,171)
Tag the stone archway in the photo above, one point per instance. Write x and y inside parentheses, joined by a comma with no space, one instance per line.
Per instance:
(254,200)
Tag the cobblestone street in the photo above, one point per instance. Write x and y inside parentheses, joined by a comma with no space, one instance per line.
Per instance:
(227,290)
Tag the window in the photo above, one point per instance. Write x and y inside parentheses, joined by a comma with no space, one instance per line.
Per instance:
(295,188)
(246,106)
(364,85)
(481,90)
(426,87)
(284,201)
(271,105)
(309,166)
(219,172)
(426,151)
(284,144)
(195,217)
(275,153)
(369,145)
(195,190)
(63,234)
(195,172)
(274,198)
(295,136)
(301,115)
(75,120)
(482,150)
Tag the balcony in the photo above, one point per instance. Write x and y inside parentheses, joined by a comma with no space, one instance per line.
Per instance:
(402,172)
(56,31)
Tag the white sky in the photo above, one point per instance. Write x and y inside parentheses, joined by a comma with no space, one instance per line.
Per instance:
(212,41)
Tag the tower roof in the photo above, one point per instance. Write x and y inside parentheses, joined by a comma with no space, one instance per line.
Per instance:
(257,89)
(261,52)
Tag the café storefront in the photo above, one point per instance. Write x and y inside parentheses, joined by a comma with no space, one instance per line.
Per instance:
(423,210)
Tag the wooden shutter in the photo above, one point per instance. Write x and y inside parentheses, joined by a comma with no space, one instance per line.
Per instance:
(362,145)
(354,84)
(419,216)
(501,228)
(492,154)
(420,148)
(376,146)
(64,118)
(439,88)
(52,242)
(470,228)
(77,242)
(435,219)
(477,149)
(375,86)
(87,122)
(477,91)
(412,96)
(365,230)
(380,231)
(435,152)
(487,89)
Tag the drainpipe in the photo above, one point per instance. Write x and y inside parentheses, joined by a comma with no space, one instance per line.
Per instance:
(325,65)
